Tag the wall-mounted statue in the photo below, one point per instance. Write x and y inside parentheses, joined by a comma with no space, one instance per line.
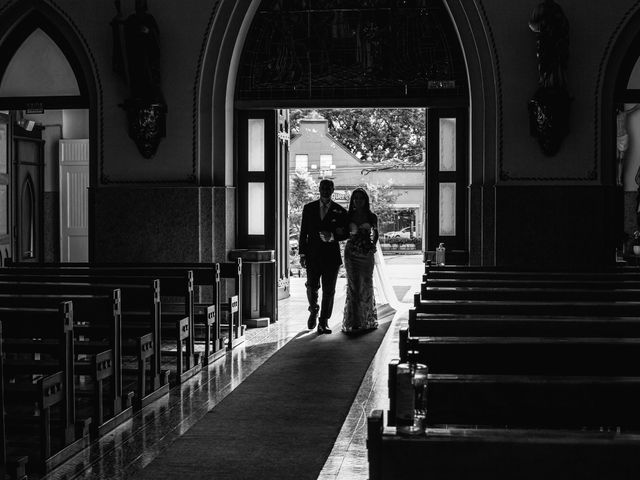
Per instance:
(549,107)
(136,56)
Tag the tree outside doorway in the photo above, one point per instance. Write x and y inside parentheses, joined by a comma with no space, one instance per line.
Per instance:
(380,150)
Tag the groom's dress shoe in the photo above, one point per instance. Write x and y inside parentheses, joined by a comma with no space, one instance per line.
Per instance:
(311,323)
(323,329)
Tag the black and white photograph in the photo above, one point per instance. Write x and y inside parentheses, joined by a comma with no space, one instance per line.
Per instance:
(319,239)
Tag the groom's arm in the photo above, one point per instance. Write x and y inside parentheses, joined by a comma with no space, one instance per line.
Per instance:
(342,231)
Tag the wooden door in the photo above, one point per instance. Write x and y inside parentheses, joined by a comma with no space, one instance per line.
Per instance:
(28,155)
(447,182)
(262,144)
(74,200)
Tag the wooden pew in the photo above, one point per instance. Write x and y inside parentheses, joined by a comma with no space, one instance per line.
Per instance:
(526,355)
(478,273)
(56,370)
(501,454)
(209,277)
(582,283)
(532,401)
(488,362)
(97,326)
(13,465)
(178,284)
(528,307)
(489,367)
(140,327)
(450,325)
(429,292)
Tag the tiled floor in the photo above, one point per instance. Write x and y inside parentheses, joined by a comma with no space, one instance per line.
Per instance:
(135,444)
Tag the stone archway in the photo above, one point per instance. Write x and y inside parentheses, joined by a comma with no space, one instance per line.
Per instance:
(216,88)
(616,66)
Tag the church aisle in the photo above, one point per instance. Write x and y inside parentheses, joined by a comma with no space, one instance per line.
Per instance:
(282,421)
(348,459)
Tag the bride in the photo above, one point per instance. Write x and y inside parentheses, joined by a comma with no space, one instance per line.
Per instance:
(360,305)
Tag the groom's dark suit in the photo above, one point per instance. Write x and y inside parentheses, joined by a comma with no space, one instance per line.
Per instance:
(323,259)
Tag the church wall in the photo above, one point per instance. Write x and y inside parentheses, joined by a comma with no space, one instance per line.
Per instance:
(591,27)
(134,217)
(130,188)
(537,221)
(182,27)
(164,220)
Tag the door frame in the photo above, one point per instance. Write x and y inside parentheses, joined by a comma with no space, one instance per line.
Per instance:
(19,134)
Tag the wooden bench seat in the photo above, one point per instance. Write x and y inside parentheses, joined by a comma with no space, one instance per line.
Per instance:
(531,401)
(501,454)
(531,375)
(526,355)
(582,283)
(437,324)
(98,359)
(34,425)
(141,314)
(528,294)
(208,280)
(531,307)
(97,327)
(54,368)
(497,274)
(213,282)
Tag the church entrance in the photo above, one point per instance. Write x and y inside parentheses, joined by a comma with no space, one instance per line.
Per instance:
(381,150)
(366,57)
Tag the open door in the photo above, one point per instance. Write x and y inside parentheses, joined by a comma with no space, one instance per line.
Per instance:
(74,200)
(262,169)
(446,192)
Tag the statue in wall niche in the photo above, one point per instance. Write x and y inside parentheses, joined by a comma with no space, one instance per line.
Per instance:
(550,105)
(136,57)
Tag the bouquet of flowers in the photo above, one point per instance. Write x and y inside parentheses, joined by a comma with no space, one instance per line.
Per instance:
(361,242)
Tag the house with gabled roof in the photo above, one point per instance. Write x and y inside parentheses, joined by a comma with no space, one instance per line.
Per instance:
(314,150)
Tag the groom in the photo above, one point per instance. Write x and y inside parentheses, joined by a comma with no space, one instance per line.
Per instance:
(323,227)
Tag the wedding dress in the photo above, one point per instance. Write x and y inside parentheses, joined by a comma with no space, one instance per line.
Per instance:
(360,311)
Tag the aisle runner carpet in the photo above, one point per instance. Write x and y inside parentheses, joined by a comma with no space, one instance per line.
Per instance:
(282,421)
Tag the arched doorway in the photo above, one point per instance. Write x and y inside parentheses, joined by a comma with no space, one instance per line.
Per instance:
(47,91)
(618,91)
(218,142)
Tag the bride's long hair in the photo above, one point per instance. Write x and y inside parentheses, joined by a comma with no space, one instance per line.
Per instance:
(367,205)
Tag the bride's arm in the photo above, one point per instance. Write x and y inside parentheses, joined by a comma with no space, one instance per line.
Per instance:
(374,227)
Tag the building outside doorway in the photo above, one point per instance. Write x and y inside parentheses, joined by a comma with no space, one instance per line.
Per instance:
(393,174)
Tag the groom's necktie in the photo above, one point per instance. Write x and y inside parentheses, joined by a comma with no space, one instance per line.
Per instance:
(324,208)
